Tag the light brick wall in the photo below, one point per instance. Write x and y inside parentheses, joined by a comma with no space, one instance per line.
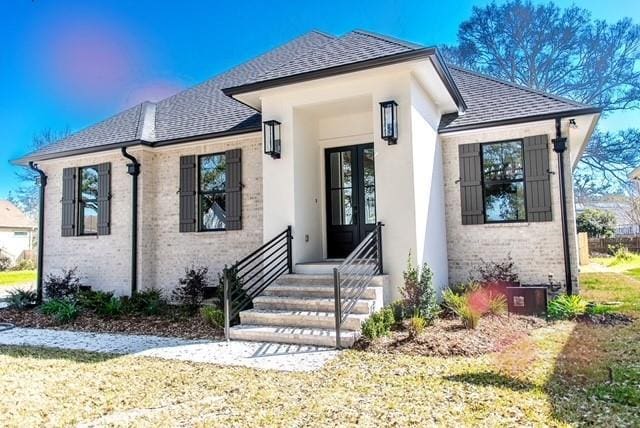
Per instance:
(163,252)
(536,248)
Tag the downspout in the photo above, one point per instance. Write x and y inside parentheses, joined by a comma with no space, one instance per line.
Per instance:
(43,184)
(133,169)
(560,146)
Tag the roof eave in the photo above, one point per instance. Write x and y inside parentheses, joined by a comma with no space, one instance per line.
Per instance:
(523,119)
(431,53)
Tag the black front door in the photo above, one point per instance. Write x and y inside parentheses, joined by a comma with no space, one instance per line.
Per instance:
(351,197)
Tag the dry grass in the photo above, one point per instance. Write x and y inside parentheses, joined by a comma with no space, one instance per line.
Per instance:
(557,376)
(17,277)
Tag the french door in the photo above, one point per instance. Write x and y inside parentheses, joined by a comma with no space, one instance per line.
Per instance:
(351,197)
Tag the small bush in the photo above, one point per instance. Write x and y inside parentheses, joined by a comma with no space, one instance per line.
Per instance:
(565,307)
(497,272)
(464,307)
(595,309)
(148,302)
(213,316)
(5,262)
(92,300)
(416,326)
(21,299)
(399,311)
(497,303)
(418,292)
(62,286)
(378,324)
(63,310)
(112,308)
(620,253)
(465,287)
(24,264)
(190,292)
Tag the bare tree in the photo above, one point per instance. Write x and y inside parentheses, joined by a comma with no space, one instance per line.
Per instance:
(26,196)
(632,205)
(565,52)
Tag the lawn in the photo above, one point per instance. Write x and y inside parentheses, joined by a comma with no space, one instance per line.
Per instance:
(618,265)
(17,277)
(558,376)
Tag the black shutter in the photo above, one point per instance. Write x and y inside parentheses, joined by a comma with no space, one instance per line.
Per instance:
(234,189)
(104,198)
(188,185)
(536,173)
(69,202)
(471,184)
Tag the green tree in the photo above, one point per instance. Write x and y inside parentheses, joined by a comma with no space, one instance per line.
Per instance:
(596,223)
(568,53)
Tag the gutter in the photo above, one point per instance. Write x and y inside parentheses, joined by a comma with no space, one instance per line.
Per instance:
(43,184)
(560,147)
(133,169)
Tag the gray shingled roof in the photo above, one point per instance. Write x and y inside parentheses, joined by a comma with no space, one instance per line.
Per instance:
(206,110)
(491,100)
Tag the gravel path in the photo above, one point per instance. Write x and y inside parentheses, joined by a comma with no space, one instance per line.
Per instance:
(248,354)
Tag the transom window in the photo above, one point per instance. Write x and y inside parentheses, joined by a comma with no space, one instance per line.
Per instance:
(212,179)
(88,201)
(503,182)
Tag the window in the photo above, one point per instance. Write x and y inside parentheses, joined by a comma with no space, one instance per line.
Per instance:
(212,179)
(88,201)
(503,182)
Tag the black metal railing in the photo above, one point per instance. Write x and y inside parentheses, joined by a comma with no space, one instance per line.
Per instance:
(249,277)
(354,275)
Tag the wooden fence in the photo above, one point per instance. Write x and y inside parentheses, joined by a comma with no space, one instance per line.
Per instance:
(601,245)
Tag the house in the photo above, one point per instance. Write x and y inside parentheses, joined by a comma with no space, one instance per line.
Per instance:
(331,136)
(16,232)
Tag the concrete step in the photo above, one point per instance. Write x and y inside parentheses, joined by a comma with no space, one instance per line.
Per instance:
(302,336)
(317,268)
(292,290)
(312,319)
(323,279)
(362,306)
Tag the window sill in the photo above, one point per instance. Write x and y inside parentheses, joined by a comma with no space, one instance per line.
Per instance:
(508,224)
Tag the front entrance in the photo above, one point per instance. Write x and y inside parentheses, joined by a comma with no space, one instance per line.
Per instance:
(351,197)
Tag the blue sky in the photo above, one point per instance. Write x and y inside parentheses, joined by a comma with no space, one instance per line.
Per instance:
(52,75)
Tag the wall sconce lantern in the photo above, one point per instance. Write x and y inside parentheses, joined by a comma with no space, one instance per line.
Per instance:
(389,121)
(271,130)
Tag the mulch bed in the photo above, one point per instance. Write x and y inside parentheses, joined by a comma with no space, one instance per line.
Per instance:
(447,337)
(187,327)
(611,319)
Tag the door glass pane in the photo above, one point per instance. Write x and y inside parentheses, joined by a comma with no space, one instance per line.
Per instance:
(341,174)
(341,207)
(213,209)
(369,170)
(505,202)
(370,205)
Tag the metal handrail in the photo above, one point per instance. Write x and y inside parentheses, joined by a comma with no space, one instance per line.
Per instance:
(354,275)
(254,273)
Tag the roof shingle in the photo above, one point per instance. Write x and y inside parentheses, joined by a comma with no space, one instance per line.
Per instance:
(12,217)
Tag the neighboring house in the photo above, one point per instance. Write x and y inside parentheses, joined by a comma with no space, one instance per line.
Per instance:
(634,176)
(16,231)
(618,205)
(466,170)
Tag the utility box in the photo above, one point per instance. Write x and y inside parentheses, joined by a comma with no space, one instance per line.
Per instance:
(527,300)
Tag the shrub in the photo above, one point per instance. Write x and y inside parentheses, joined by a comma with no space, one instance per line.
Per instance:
(190,292)
(596,223)
(620,253)
(418,292)
(416,326)
(497,272)
(92,300)
(497,303)
(21,299)
(62,286)
(595,309)
(63,310)
(399,310)
(112,308)
(565,307)
(213,316)
(147,302)
(464,307)
(236,289)
(5,262)
(378,324)
(24,264)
